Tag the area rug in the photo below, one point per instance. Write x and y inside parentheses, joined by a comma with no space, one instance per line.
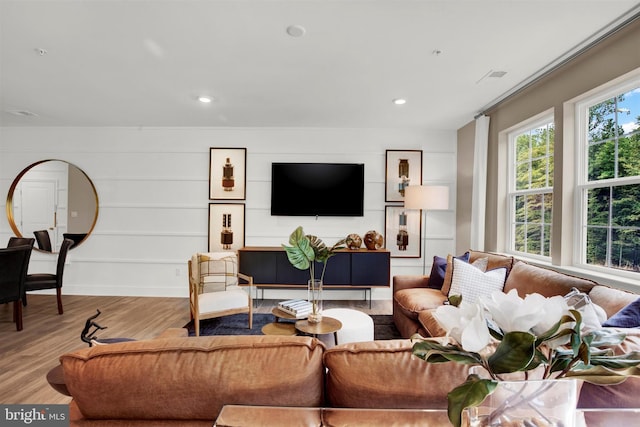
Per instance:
(236,324)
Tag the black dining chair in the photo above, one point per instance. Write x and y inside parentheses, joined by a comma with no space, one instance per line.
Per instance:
(43,239)
(14,263)
(39,281)
(21,241)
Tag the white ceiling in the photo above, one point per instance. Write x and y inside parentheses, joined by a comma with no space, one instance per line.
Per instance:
(143,63)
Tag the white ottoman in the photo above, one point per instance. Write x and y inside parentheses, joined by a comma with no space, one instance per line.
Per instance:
(356,326)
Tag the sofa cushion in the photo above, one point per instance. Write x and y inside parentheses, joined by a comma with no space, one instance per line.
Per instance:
(430,324)
(610,299)
(628,317)
(386,374)
(413,301)
(592,315)
(471,282)
(439,270)
(252,370)
(493,261)
(528,279)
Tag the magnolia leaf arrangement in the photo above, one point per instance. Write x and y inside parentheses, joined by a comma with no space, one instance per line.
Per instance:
(504,334)
(306,248)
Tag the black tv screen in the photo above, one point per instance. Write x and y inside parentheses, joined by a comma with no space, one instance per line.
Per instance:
(317,189)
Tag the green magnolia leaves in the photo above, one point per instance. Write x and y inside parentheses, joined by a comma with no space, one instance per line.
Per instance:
(514,353)
(470,393)
(587,357)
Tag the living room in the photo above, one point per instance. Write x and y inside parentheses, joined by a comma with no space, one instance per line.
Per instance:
(152,180)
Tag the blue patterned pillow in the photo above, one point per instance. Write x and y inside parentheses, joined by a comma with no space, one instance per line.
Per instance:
(628,317)
(439,269)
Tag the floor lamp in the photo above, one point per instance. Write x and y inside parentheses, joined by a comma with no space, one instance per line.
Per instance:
(426,197)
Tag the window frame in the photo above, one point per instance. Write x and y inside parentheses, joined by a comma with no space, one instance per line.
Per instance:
(582,184)
(543,119)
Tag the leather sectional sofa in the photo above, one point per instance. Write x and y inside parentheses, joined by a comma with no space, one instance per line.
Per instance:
(176,380)
(185,381)
(414,302)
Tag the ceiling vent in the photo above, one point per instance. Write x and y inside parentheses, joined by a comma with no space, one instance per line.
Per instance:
(492,75)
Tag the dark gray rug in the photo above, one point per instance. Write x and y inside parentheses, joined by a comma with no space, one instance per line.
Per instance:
(236,324)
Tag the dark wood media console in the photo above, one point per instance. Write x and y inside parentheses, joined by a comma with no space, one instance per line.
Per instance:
(360,269)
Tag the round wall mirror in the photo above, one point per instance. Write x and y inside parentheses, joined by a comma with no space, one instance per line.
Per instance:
(51,200)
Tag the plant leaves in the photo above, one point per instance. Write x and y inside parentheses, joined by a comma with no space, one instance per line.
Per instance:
(514,353)
(470,393)
(434,352)
(300,253)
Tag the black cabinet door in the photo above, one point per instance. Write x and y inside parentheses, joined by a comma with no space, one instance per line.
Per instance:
(370,269)
(338,270)
(287,273)
(261,265)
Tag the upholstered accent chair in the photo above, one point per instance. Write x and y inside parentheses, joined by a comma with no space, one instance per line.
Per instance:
(214,289)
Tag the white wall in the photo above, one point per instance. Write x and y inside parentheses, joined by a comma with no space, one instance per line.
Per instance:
(152,187)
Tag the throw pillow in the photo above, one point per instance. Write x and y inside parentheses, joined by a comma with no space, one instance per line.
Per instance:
(439,269)
(592,314)
(628,317)
(471,282)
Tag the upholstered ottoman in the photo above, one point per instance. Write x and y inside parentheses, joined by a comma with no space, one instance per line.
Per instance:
(356,326)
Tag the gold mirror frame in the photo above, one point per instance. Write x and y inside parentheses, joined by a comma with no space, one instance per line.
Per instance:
(16,181)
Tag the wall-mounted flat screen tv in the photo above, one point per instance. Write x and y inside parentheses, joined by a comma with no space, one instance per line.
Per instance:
(317,189)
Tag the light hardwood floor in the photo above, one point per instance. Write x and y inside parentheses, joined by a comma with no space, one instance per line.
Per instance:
(27,356)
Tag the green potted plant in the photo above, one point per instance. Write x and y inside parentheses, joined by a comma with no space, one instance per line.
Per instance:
(303,252)
(505,334)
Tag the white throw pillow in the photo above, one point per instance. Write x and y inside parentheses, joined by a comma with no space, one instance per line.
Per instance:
(592,314)
(471,282)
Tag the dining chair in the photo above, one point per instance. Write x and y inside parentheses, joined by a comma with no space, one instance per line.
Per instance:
(39,281)
(43,239)
(14,262)
(21,241)
(214,290)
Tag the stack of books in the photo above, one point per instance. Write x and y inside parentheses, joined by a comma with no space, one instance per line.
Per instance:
(296,307)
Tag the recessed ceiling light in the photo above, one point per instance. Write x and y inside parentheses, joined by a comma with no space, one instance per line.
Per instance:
(205,99)
(399,101)
(296,30)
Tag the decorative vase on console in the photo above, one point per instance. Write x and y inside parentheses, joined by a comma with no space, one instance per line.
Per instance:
(304,252)
(541,340)
(314,296)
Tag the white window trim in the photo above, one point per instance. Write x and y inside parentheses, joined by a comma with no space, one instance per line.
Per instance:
(508,136)
(580,116)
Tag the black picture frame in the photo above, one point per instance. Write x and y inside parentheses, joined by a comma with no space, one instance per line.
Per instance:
(227,173)
(221,215)
(396,162)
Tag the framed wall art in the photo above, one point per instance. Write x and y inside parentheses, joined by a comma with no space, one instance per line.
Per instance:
(227,173)
(226,226)
(403,168)
(403,231)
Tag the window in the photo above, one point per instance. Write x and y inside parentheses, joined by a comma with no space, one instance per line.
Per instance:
(530,188)
(609,180)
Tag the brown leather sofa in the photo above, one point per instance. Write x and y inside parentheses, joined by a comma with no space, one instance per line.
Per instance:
(414,301)
(185,381)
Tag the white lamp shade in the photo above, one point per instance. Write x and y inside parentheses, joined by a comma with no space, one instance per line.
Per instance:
(428,197)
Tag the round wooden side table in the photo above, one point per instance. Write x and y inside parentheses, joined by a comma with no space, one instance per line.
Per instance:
(328,325)
(279,314)
(279,328)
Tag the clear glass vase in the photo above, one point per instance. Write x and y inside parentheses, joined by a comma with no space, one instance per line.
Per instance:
(526,403)
(314,296)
